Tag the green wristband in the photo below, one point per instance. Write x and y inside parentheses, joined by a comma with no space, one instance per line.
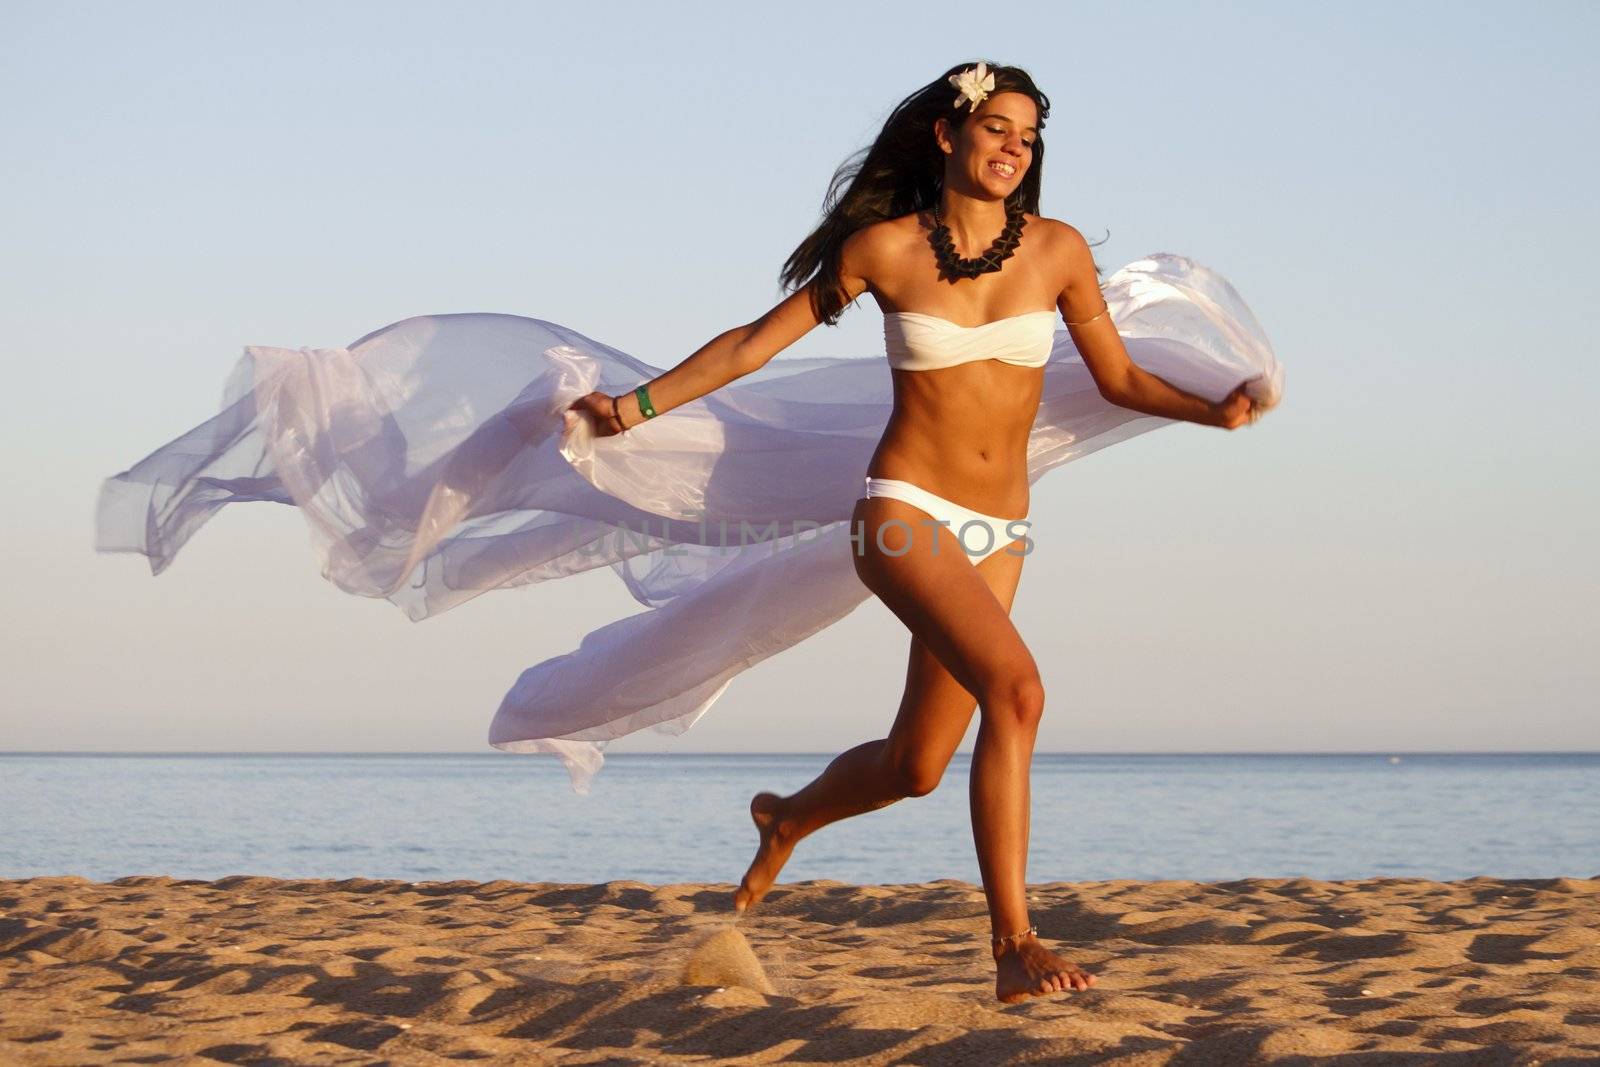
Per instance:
(643,396)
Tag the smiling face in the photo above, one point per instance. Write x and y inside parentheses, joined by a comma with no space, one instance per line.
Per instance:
(993,149)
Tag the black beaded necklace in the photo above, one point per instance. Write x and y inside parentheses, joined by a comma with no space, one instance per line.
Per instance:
(953,268)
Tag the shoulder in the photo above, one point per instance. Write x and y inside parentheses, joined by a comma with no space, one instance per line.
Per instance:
(866,250)
(876,238)
(1064,236)
(1067,248)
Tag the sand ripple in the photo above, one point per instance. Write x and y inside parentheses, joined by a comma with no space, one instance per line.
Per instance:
(264,971)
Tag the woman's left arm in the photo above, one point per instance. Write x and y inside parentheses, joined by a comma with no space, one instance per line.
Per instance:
(1120,379)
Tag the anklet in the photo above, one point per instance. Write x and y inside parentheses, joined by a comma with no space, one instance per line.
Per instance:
(998,941)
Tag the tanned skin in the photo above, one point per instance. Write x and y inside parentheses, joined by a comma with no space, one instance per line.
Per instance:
(961,432)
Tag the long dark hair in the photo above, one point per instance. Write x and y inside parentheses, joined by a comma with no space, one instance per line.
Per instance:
(899,173)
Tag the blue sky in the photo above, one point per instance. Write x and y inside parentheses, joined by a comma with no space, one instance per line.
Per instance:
(1400,557)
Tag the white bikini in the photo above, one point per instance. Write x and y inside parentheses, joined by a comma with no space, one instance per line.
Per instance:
(918,342)
(915,341)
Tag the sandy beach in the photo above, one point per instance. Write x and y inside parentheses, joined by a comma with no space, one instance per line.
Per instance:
(1263,970)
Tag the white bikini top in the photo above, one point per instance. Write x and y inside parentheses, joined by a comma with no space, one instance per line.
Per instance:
(916,341)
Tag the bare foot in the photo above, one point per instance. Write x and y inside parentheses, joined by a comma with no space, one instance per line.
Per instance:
(1028,969)
(771,854)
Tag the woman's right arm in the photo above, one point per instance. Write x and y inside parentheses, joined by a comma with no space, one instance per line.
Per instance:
(731,354)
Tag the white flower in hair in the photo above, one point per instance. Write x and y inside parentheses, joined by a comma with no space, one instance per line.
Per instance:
(974,83)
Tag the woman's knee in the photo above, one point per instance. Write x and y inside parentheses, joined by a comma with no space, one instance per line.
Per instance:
(913,774)
(1016,701)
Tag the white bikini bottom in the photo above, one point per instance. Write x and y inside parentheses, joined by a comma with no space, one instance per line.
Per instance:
(981,535)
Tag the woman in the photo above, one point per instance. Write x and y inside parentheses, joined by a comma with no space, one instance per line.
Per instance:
(970,319)
(444,456)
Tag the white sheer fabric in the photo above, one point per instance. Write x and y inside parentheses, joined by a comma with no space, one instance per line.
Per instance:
(434,460)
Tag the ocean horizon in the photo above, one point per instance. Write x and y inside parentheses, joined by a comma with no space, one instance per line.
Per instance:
(683,817)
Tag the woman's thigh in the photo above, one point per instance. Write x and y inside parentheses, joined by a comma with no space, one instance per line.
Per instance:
(936,710)
(964,642)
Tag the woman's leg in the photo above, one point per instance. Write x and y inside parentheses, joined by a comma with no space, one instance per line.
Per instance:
(954,611)
(935,712)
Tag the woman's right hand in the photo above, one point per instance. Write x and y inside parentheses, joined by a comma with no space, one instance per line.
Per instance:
(1235,410)
(602,411)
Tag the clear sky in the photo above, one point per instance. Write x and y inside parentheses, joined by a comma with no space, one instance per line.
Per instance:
(1402,556)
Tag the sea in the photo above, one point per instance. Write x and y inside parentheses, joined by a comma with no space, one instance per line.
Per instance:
(684,818)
